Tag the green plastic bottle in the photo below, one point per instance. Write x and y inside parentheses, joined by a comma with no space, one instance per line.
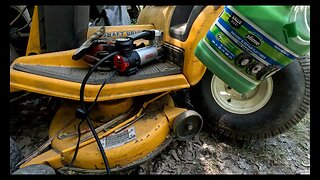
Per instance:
(248,44)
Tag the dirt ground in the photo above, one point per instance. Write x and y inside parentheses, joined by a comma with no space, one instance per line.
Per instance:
(288,153)
(207,153)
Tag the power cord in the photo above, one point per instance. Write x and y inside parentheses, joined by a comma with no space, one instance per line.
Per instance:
(83,112)
(88,111)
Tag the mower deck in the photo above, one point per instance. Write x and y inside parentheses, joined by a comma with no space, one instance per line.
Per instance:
(125,148)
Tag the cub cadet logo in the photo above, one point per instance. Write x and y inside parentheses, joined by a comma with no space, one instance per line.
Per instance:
(253,40)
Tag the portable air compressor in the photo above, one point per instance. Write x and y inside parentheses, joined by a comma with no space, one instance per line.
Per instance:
(129,57)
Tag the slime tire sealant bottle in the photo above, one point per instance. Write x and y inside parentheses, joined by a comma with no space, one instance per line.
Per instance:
(247,44)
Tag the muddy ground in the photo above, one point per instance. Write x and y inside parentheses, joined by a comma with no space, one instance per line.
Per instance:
(208,153)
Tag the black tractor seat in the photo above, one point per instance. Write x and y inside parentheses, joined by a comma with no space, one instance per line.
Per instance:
(182,19)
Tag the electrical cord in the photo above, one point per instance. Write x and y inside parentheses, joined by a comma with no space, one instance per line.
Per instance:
(103,84)
(84,112)
(78,143)
(88,111)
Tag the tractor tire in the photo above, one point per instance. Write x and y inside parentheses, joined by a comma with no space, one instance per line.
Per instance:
(278,103)
(15,155)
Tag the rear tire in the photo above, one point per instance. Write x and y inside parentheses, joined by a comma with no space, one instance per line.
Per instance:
(288,104)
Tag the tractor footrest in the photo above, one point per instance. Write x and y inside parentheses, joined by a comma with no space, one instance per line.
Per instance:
(76,74)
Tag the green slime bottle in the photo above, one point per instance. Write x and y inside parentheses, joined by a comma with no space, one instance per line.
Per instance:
(248,44)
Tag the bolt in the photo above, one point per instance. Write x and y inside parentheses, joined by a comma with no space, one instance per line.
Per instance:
(190,127)
(243,96)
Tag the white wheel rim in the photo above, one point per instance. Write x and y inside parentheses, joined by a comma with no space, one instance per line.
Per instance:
(234,102)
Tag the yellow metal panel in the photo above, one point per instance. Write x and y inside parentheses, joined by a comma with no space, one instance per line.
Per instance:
(50,157)
(106,110)
(172,113)
(14,90)
(159,16)
(34,36)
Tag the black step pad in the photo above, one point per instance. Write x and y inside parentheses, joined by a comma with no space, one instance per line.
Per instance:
(76,74)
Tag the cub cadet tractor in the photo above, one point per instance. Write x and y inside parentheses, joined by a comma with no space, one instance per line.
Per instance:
(116,84)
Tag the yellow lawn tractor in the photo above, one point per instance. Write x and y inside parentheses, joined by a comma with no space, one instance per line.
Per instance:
(116,84)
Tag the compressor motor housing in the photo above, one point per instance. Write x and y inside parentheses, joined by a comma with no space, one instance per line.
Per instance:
(128,60)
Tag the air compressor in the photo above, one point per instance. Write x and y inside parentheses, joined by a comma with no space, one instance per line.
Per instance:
(129,57)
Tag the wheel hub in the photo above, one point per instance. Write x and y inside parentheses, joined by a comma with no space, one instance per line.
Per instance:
(187,125)
(235,102)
